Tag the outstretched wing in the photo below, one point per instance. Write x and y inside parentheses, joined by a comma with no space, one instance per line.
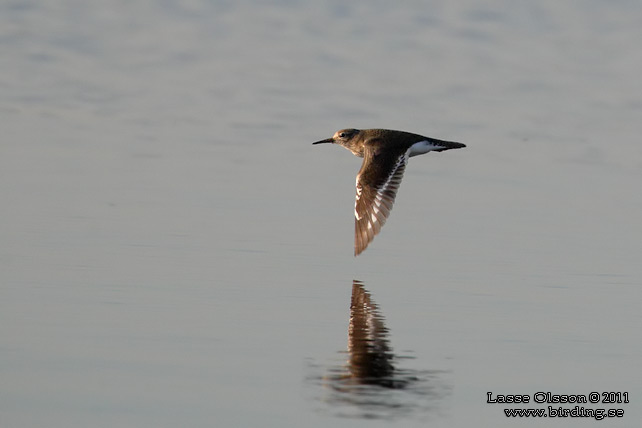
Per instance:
(376,191)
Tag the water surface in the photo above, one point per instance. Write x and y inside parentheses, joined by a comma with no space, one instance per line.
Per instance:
(175,252)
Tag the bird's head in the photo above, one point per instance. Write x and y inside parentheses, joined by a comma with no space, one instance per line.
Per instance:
(347,138)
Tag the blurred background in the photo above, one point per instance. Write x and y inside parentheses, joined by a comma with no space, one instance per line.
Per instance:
(174,251)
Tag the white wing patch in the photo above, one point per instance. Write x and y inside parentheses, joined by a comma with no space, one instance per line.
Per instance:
(359,191)
(373,205)
(421,147)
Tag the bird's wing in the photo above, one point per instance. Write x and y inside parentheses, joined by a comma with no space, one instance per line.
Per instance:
(376,194)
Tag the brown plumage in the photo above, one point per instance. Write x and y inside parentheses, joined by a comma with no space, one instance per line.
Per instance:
(385,155)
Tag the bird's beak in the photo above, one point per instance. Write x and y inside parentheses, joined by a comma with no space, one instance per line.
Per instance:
(327,140)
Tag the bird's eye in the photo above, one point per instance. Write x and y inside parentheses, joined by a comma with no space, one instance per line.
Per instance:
(342,134)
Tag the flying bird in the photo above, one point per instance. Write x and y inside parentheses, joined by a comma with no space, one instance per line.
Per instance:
(385,155)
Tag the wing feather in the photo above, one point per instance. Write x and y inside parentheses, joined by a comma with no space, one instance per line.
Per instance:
(375,197)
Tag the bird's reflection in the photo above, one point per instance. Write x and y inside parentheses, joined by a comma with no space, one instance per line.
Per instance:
(370,385)
(368,347)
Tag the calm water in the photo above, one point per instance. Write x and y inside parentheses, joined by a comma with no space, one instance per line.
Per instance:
(174,252)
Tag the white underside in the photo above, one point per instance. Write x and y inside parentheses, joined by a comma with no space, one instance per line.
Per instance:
(421,147)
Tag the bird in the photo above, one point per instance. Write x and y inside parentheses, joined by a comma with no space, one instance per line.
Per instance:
(385,155)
